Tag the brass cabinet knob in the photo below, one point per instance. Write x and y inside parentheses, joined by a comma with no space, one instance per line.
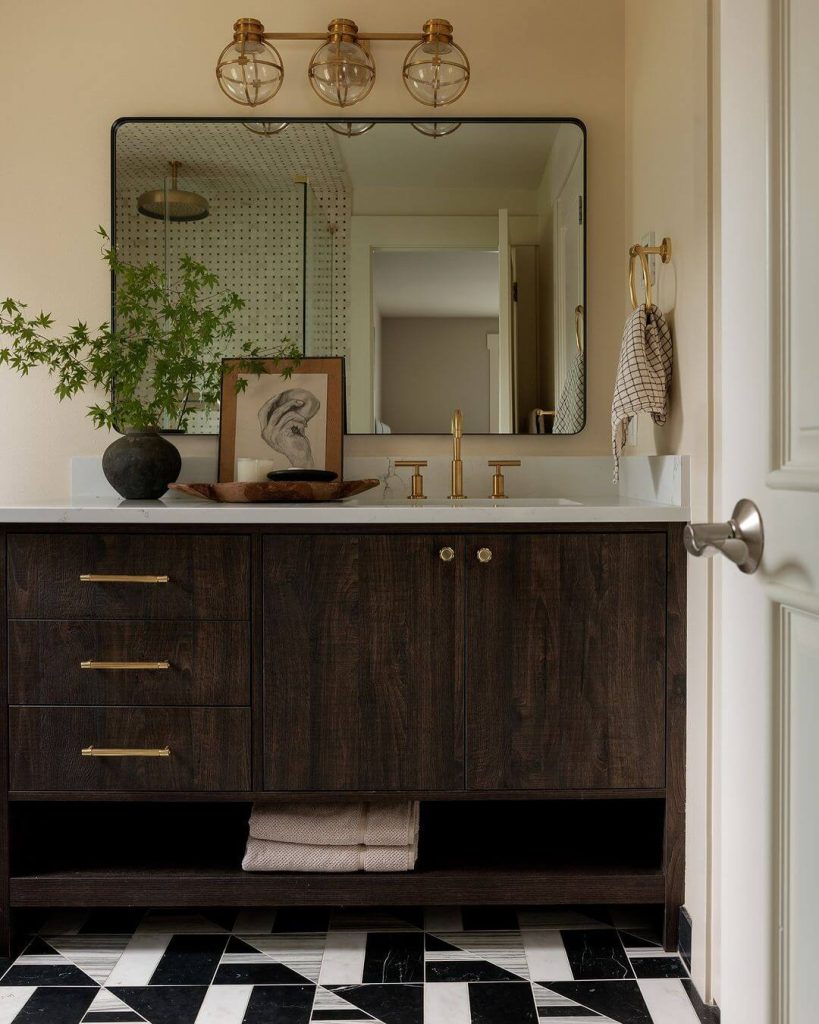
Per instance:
(446,554)
(484,555)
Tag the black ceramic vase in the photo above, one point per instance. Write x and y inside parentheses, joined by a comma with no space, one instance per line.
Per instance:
(140,464)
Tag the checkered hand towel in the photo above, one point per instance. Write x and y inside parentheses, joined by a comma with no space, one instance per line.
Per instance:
(643,374)
(570,415)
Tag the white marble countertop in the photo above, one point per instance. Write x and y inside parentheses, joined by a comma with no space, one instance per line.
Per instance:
(607,509)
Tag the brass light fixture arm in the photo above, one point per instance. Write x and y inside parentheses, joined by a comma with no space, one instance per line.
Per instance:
(367,36)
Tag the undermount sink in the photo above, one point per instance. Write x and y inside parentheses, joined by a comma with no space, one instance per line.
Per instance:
(470,502)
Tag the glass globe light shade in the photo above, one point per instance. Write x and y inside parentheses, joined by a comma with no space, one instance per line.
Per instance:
(341,71)
(436,70)
(265,127)
(351,128)
(249,70)
(436,129)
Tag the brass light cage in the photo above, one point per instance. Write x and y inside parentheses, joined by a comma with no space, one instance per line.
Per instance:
(340,64)
(250,70)
(436,71)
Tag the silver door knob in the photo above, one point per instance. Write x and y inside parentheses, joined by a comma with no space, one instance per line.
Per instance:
(741,539)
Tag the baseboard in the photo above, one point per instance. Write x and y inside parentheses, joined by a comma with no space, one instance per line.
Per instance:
(707,1013)
(685,937)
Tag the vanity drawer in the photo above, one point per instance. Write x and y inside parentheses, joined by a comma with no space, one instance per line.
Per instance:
(208,749)
(177,576)
(98,663)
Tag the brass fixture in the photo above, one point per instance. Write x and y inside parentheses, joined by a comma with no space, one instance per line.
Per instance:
(435,71)
(579,323)
(126,752)
(90,577)
(642,252)
(497,476)
(266,128)
(349,129)
(436,129)
(446,554)
(174,203)
(122,666)
(457,464)
(484,555)
(249,69)
(417,491)
(342,71)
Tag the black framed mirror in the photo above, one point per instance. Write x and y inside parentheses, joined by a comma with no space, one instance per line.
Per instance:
(444,259)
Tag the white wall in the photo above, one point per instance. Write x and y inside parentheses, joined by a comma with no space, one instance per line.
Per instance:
(430,365)
(97,61)
(668,178)
(368,233)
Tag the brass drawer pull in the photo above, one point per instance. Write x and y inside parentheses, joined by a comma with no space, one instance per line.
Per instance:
(446,554)
(126,752)
(90,577)
(484,555)
(117,666)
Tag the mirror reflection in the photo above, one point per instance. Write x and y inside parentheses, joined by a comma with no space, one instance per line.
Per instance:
(444,260)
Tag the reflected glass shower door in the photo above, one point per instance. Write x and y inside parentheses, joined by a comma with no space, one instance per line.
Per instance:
(318,278)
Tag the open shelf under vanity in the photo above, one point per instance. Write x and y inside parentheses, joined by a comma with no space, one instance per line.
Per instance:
(189,854)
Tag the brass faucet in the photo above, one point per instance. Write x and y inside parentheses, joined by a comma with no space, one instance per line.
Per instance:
(457,464)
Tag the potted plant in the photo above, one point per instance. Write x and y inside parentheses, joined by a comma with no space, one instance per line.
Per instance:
(164,350)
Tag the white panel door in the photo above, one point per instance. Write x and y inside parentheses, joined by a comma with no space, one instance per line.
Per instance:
(567,217)
(506,370)
(767,749)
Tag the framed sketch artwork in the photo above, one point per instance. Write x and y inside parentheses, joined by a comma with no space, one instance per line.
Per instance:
(281,422)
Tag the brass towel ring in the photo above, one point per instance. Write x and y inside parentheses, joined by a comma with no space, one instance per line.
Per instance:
(634,253)
(578,320)
(642,252)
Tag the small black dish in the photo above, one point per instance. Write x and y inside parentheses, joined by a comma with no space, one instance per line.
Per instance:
(302,475)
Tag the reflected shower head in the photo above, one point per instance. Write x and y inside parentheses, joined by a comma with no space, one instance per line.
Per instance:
(174,203)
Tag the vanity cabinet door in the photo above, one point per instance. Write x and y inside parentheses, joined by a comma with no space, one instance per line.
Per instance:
(566,661)
(363,663)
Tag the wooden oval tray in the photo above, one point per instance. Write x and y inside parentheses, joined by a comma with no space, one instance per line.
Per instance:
(270,490)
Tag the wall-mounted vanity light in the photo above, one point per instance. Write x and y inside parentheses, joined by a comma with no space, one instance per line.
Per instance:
(265,127)
(250,70)
(436,129)
(350,128)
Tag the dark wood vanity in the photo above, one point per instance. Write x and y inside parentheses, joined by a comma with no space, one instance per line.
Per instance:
(527,684)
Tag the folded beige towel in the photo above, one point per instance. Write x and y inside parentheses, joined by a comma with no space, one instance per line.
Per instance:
(387,823)
(261,855)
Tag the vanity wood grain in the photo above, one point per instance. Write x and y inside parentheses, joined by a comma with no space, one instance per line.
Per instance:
(553,672)
(363,663)
(209,662)
(209,576)
(565,661)
(210,748)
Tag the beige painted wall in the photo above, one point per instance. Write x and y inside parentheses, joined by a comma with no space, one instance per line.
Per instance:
(667,188)
(431,364)
(98,60)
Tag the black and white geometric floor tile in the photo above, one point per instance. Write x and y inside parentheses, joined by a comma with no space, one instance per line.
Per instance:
(438,965)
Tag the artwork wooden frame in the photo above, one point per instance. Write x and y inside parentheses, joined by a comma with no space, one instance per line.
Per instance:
(305,429)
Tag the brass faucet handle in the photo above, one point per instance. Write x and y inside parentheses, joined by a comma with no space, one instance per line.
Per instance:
(417,491)
(497,477)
